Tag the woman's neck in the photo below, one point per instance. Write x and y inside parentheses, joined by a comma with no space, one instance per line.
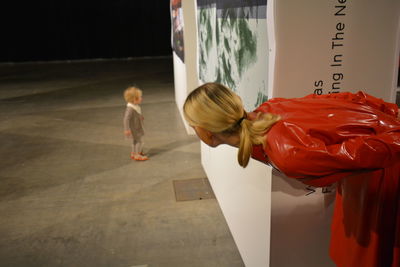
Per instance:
(232,139)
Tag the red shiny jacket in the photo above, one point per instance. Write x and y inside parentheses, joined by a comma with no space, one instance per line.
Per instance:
(354,140)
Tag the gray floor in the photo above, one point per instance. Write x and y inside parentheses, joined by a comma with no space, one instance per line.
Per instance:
(69,193)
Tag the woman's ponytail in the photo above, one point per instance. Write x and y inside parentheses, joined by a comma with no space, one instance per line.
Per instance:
(246,144)
(253,133)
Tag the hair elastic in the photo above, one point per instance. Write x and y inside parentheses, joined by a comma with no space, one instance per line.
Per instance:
(241,119)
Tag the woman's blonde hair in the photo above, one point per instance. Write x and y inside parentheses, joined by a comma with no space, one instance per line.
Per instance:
(132,93)
(217,109)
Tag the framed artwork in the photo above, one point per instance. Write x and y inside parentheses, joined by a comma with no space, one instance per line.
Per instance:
(177,28)
(233,47)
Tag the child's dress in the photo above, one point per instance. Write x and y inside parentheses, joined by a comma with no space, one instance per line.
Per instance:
(133,121)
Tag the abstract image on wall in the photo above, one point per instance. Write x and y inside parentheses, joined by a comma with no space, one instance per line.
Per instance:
(233,46)
(177,28)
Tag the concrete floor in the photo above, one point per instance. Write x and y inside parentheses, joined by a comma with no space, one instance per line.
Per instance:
(69,193)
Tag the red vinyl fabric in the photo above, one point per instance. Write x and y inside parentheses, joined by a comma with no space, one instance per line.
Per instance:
(352,140)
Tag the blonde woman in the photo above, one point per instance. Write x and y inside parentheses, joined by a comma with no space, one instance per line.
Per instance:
(349,139)
(133,122)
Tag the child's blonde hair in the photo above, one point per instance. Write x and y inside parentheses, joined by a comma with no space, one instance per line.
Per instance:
(132,93)
(217,109)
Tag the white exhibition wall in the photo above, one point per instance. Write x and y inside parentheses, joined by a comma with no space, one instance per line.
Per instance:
(233,50)
(325,47)
(244,197)
(180,83)
(185,73)
(274,220)
(336,46)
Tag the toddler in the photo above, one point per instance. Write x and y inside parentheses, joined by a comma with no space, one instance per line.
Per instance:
(133,122)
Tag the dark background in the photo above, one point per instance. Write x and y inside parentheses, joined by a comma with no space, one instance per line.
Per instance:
(47,30)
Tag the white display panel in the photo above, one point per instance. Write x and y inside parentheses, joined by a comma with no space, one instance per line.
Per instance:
(180,84)
(336,46)
(185,72)
(308,49)
(233,50)
(324,47)
(244,196)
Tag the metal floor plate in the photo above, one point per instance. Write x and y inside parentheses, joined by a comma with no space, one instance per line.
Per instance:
(193,189)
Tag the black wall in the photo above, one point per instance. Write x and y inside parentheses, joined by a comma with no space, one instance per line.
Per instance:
(68,30)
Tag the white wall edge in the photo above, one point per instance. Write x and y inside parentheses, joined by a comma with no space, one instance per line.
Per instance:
(396,87)
(272,46)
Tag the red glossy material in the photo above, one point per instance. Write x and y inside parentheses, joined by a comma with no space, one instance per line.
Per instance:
(354,140)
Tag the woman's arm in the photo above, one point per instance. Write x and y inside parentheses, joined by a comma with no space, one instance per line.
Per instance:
(363,98)
(302,156)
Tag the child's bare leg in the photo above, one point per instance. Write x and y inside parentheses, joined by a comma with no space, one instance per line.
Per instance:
(137,149)
(133,153)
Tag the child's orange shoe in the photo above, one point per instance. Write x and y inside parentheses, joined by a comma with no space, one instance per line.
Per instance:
(134,155)
(140,158)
